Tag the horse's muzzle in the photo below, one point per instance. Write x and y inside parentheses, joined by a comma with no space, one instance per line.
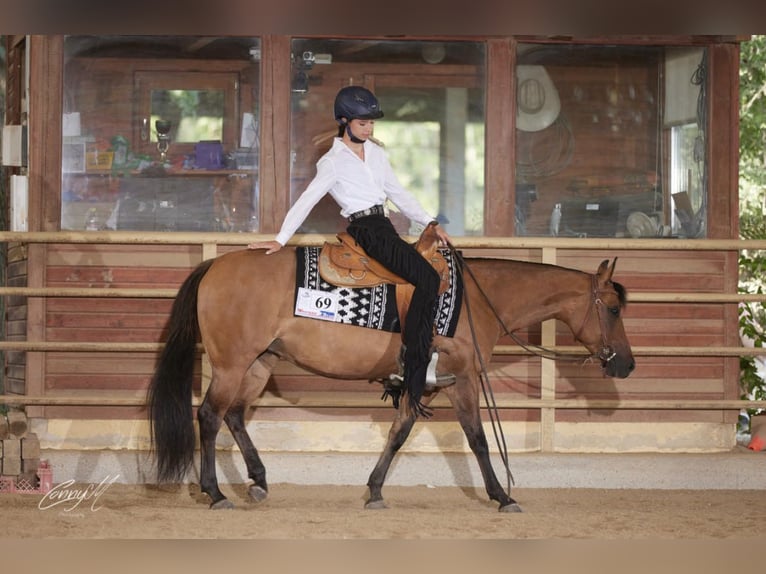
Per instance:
(613,365)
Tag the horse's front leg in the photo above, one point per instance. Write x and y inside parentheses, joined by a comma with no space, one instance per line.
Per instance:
(465,399)
(397,435)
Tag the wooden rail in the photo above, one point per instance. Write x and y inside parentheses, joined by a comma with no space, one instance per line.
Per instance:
(127,293)
(568,350)
(368,400)
(213,238)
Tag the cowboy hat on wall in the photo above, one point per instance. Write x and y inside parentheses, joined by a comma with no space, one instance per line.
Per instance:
(537,100)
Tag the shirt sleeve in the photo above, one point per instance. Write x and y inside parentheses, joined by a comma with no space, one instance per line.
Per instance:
(403,198)
(297,214)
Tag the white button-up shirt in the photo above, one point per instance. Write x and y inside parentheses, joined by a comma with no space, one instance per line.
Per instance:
(354,184)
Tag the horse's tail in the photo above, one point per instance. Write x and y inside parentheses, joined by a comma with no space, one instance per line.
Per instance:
(170,391)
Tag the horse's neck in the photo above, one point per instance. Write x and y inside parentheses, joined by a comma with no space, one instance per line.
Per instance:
(525,294)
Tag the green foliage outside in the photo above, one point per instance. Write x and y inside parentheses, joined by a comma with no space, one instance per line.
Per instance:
(752,206)
(4,216)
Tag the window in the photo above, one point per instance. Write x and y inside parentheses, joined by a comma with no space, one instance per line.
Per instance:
(610,141)
(160,133)
(432,94)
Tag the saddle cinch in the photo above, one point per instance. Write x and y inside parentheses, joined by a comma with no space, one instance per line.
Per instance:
(346,264)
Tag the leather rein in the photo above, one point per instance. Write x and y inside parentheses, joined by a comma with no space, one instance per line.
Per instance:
(606,352)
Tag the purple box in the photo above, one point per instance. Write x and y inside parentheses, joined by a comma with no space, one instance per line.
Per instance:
(208,154)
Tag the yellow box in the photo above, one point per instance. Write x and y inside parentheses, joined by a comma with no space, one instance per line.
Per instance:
(98,160)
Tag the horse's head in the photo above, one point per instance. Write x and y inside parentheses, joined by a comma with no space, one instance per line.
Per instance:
(601,330)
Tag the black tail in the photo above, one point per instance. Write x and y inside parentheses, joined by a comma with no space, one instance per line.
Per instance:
(170,391)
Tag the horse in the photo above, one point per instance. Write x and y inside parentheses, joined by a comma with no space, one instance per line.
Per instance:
(241,306)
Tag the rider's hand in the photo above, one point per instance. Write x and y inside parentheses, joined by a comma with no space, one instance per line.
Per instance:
(269,246)
(444,237)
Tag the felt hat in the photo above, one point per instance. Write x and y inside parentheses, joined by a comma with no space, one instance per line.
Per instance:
(537,100)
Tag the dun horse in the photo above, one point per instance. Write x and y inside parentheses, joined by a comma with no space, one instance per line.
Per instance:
(242,305)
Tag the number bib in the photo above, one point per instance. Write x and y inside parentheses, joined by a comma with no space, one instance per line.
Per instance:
(316,304)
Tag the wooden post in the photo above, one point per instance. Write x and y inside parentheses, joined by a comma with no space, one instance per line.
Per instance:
(548,373)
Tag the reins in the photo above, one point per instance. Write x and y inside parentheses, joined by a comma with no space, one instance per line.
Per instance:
(489,396)
(606,353)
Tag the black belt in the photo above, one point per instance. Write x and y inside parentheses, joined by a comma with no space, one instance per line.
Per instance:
(374,210)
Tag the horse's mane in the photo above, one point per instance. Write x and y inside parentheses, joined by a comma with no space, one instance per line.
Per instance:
(622,292)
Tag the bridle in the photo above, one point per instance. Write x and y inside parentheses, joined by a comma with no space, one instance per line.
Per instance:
(606,353)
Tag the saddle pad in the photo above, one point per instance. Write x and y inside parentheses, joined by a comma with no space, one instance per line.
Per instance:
(375,307)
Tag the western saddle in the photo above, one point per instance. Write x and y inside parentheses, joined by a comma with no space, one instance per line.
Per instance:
(346,264)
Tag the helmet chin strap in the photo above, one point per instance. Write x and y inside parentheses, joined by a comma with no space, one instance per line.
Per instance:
(352,136)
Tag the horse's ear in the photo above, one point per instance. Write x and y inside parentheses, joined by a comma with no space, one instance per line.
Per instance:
(605,270)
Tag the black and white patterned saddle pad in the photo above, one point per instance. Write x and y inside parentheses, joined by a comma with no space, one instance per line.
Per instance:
(372,307)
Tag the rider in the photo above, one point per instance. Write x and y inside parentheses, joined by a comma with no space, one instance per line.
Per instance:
(357,174)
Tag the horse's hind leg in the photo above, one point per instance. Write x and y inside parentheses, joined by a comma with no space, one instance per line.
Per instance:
(209,418)
(235,420)
(253,384)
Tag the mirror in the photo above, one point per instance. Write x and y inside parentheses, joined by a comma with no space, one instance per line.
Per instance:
(195,115)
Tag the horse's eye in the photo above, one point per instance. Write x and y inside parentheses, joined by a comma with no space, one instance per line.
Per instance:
(615,311)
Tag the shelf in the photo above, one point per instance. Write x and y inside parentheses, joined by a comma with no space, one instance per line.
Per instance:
(167,173)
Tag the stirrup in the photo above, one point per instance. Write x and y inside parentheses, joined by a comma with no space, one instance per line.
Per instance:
(437,381)
(396,380)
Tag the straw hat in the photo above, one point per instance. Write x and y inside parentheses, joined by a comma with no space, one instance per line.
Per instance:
(537,100)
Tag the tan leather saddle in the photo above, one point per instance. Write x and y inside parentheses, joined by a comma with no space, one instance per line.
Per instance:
(346,264)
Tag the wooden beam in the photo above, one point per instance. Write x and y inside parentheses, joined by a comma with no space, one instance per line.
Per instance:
(500,172)
(200,43)
(334,399)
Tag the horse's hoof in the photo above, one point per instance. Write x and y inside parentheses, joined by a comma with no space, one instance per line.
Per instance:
(513,507)
(375,505)
(257,493)
(223,504)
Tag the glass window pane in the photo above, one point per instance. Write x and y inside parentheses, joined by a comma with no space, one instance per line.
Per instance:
(160,133)
(610,141)
(432,95)
(686,180)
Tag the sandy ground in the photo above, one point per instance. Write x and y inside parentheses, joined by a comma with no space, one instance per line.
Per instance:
(294,512)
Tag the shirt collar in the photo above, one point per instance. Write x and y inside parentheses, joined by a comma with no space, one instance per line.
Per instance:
(338,145)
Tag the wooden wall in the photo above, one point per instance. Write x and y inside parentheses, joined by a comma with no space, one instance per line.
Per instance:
(608,147)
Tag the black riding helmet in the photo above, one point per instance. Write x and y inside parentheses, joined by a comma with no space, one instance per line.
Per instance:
(356,103)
